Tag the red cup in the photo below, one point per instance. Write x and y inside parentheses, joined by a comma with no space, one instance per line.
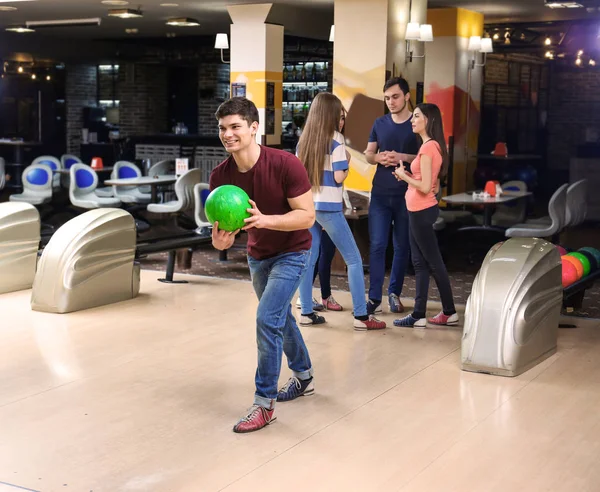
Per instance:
(97,163)
(490,188)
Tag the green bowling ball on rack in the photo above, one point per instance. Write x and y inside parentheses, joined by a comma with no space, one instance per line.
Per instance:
(585,263)
(228,206)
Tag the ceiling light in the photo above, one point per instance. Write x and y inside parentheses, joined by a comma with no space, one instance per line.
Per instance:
(183,22)
(564,4)
(580,52)
(578,61)
(115,2)
(548,42)
(550,55)
(20,69)
(19,29)
(48,78)
(125,13)
(66,22)
(593,63)
(169,5)
(6,8)
(33,76)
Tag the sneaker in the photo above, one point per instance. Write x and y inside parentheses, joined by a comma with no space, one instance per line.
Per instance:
(443,319)
(311,319)
(317,306)
(395,304)
(331,304)
(295,388)
(256,418)
(368,325)
(374,307)
(410,321)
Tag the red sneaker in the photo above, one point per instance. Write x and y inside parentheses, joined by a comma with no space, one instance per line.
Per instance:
(257,418)
(443,319)
(369,325)
(331,304)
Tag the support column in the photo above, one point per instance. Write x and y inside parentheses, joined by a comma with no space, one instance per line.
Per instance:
(454,85)
(257,66)
(369,48)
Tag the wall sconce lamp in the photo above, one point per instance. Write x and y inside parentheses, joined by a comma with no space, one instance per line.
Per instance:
(477,44)
(332,33)
(417,32)
(222,43)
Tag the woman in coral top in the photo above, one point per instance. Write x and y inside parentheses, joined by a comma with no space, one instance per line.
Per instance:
(430,165)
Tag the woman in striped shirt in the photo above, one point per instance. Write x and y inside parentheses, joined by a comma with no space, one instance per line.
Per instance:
(322,150)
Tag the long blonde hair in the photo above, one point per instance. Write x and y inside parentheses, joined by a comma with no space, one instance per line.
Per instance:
(315,142)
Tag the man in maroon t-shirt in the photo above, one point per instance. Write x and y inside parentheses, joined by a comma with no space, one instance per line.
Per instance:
(278,252)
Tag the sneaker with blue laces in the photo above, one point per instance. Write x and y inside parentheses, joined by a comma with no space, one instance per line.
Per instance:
(395,304)
(317,306)
(411,322)
(295,388)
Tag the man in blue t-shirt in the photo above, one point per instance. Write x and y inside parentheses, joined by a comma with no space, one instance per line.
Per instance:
(392,142)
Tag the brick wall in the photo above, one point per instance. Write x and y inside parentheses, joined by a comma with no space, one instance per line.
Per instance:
(81,91)
(574,108)
(143,99)
(213,88)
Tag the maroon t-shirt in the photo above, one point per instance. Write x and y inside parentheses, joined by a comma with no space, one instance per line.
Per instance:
(276,176)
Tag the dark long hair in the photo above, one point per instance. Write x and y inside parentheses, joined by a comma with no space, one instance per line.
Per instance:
(435,130)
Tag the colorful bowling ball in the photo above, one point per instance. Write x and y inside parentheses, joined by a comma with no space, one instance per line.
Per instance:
(592,259)
(561,250)
(228,206)
(569,273)
(576,263)
(593,251)
(584,262)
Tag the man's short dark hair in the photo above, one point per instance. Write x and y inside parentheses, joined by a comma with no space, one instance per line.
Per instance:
(241,106)
(399,81)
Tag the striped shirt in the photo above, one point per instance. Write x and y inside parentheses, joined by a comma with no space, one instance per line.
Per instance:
(329,197)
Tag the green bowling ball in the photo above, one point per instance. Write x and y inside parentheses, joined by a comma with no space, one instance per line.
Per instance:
(227,205)
(584,262)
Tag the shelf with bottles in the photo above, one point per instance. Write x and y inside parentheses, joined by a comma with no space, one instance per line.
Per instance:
(305,72)
(292,110)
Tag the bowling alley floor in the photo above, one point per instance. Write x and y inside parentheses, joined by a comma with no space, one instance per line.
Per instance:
(141,396)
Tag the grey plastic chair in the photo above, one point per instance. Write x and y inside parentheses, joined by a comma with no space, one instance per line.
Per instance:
(128,194)
(67,160)
(516,212)
(201,192)
(84,181)
(557,210)
(54,164)
(2,173)
(184,189)
(37,185)
(162,168)
(577,203)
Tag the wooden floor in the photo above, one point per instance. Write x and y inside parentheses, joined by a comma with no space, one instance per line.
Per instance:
(142,395)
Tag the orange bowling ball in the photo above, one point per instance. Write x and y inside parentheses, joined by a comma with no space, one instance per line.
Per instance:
(569,272)
(576,263)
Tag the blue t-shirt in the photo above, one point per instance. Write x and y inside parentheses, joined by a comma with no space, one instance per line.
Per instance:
(397,137)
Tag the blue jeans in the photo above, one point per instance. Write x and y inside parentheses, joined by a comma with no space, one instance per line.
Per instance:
(386,212)
(336,226)
(275,280)
(323,268)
